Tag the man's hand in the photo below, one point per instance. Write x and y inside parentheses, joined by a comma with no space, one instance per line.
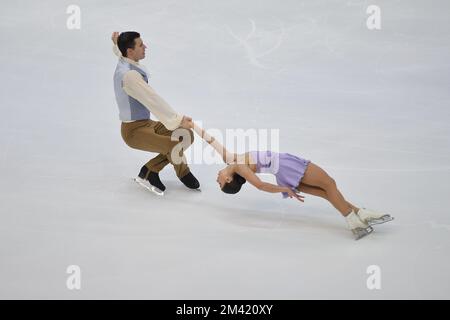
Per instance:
(187,123)
(114,37)
(295,195)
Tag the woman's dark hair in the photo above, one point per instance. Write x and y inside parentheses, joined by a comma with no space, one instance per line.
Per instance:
(235,185)
(126,41)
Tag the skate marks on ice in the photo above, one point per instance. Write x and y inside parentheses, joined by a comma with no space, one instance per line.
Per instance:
(256,36)
(253,42)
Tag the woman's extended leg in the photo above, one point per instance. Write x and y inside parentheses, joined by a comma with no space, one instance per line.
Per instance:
(319,192)
(317,177)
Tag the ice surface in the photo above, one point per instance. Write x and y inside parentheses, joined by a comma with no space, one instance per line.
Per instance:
(369,106)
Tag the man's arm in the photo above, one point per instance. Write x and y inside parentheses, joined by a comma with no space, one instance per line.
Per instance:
(114,38)
(135,86)
(117,51)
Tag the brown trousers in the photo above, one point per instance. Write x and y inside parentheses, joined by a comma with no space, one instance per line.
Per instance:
(153,136)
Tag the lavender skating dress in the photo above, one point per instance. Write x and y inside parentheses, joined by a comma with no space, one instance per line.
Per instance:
(287,168)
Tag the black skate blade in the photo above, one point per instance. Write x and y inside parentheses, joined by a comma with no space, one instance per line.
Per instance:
(360,233)
(148,186)
(383,219)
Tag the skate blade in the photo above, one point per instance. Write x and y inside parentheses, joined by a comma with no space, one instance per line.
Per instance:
(361,232)
(149,187)
(383,219)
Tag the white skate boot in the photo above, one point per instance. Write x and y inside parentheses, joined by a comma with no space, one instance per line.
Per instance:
(372,217)
(358,227)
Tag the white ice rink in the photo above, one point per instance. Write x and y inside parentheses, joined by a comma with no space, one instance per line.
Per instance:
(371,107)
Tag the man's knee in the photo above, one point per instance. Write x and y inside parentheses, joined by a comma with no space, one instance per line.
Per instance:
(181,143)
(187,135)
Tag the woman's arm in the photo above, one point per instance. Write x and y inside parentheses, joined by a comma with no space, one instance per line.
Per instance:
(245,172)
(228,157)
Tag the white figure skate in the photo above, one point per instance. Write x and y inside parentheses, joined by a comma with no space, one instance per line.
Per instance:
(372,217)
(358,227)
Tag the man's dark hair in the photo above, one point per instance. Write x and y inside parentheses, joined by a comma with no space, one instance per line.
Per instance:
(235,185)
(126,41)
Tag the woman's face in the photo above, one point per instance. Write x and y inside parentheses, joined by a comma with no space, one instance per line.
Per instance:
(224,176)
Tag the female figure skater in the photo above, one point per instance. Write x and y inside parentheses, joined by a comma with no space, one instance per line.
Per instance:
(293,175)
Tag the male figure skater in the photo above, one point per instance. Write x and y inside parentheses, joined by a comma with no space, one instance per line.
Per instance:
(136,99)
